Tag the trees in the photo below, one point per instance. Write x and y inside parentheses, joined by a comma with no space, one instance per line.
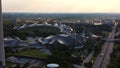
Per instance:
(62,56)
(8,27)
(115,61)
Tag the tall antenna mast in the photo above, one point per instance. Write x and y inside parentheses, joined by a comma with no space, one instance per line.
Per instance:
(2,52)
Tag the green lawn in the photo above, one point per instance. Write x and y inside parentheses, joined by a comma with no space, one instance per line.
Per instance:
(9,64)
(31,53)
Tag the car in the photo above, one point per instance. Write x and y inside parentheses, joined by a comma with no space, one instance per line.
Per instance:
(101,54)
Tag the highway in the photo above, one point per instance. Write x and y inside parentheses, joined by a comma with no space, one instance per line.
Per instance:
(103,60)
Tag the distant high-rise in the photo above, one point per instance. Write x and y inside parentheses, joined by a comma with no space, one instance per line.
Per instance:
(2,53)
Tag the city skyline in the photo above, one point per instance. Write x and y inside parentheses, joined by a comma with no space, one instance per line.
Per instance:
(62,6)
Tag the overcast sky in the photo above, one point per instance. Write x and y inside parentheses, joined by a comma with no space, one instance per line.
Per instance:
(58,6)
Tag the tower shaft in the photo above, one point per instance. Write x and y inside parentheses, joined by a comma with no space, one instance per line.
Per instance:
(2,52)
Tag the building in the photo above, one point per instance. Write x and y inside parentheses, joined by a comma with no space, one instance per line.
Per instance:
(70,40)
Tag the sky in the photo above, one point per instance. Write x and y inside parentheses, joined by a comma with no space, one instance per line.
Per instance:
(62,6)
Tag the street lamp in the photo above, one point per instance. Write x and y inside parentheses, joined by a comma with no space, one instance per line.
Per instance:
(2,52)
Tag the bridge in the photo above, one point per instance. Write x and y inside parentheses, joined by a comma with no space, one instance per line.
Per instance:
(111,40)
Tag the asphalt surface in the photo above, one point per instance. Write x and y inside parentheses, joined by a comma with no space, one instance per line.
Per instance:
(103,60)
(88,58)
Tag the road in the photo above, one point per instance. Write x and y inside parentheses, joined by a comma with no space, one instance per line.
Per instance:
(88,58)
(118,32)
(103,61)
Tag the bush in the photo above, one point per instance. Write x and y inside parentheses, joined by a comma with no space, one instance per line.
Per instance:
(89,65)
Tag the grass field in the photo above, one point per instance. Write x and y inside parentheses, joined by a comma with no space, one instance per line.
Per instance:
(31,53)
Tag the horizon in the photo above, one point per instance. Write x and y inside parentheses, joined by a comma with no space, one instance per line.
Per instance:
(64,12)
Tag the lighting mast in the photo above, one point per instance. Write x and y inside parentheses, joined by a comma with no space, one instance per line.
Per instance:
(2,52)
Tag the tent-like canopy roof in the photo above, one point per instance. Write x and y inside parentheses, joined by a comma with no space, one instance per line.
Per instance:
(64,39)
